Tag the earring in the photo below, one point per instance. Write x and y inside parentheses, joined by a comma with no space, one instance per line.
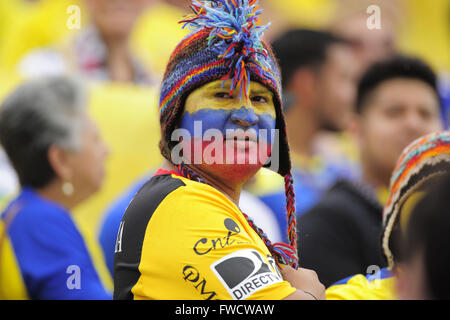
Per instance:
(67,188)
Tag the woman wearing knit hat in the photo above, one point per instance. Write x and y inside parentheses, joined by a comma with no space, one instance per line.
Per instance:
(183,236)
(421,164)
(425,247)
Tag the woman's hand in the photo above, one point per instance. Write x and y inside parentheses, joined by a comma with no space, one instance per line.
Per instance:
(303,280)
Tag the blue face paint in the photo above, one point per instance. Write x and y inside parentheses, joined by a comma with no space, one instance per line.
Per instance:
(245,116)
(224,119)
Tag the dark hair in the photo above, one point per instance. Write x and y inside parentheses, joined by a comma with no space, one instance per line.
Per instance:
(302,48)
(40,113)
(395,67)
(428,231)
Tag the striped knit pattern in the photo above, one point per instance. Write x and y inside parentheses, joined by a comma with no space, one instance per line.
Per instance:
(431,152)
(290,210)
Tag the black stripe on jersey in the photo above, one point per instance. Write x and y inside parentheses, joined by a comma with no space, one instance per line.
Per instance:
(133,226)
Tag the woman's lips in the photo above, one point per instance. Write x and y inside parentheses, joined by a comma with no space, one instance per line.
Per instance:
(242,136)
(241,142)
(236,149)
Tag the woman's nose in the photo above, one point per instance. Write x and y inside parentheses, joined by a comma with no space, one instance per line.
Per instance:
(244,117)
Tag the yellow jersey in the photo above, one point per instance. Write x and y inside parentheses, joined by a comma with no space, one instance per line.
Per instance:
(184,240)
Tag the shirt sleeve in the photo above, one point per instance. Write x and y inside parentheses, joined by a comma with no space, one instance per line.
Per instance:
(53,258)
(110,225)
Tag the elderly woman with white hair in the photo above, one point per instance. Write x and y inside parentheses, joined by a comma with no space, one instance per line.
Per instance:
(57,153)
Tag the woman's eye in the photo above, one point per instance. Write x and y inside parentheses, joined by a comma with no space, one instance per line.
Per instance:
(222,95)
(260,99)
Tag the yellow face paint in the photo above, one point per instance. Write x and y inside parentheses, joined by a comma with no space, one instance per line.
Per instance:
(213,96)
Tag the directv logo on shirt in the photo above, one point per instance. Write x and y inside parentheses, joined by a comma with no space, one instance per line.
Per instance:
(244,272)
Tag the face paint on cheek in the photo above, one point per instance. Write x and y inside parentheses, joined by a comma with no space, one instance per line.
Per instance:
(267,127)
(209,119)
(197,124)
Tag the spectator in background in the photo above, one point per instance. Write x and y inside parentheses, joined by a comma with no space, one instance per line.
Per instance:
(422,165)
(354,21)
(397,102)
(368,44)
(426,247)
(319,90)
(59,158)
(101,51)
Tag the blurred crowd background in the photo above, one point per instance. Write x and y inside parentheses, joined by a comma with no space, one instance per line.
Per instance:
(121,49)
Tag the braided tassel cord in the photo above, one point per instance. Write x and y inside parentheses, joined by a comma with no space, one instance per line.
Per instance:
(284,254)
(189,174)
(291,216)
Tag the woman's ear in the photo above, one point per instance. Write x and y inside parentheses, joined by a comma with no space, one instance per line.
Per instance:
(304,85)
(355,128)
(59,160)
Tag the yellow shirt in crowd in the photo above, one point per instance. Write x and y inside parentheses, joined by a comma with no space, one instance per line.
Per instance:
(380,286)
